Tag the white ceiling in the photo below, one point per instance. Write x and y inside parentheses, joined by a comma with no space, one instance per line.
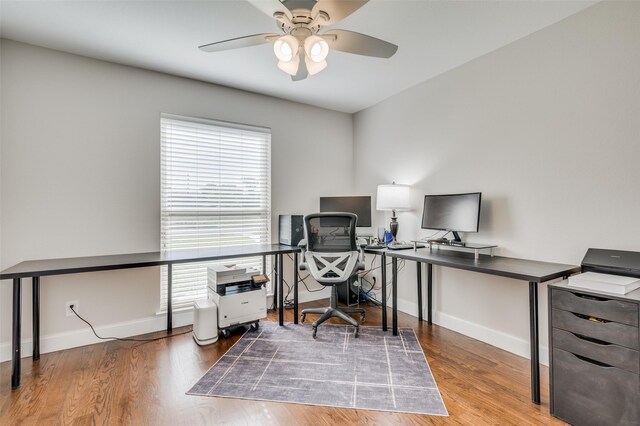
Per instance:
(433,37)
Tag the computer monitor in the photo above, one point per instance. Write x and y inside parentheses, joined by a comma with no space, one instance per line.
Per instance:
(359,205)
(452,212)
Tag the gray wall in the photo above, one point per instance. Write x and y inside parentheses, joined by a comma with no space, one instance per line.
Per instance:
(80,176)
(548,129)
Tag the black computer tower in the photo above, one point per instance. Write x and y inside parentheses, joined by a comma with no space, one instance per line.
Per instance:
(290,229)
(349,294)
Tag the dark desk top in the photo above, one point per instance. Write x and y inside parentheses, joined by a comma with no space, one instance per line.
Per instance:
(73,265)
(510,267)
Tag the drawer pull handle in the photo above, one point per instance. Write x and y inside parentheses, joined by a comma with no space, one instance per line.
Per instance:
(591,361)
(589,297)
(592,340)
(591,318)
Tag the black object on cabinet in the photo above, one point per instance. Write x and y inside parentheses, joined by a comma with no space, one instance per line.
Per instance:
(594,341)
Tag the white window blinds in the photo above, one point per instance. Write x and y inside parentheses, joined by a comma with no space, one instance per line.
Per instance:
(216,192)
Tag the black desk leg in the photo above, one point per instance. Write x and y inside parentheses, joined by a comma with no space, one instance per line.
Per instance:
(419,281)
(280,291)
(264,264)
(169,298)
(295,288)
(35,298)
(535,363)
(275,283)
(15,342)
(394,294)
(429,292)
(383,274)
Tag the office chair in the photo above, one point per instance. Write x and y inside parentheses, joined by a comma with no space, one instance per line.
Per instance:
(332,256)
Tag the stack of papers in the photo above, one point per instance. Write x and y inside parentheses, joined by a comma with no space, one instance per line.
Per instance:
(603,282)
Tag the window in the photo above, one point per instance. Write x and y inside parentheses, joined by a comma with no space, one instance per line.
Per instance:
(216,192)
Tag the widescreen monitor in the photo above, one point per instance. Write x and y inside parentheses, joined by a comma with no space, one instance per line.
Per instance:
(452,212)
(359,205)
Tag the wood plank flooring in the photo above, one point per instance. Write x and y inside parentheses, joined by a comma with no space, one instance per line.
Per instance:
(127,383)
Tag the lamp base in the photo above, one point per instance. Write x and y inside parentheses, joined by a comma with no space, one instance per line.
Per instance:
(393,228)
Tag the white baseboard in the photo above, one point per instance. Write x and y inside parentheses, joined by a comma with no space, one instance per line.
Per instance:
(76,338)
(508,342)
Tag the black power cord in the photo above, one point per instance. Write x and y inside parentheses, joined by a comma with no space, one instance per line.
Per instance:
(124,339)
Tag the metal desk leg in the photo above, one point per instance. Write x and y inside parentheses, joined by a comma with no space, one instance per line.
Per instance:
(280,291)
(429,292)
(383,274)
(394,294)
(16,336)
(535,363)
(275,282)
(169,298)
(419,281)
(264,264)
(295,288)
(35,298)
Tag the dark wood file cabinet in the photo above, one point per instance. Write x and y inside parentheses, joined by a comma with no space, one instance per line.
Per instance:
(594,343)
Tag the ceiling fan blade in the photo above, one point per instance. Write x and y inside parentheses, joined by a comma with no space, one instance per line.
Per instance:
(302,71)
(360,44)
(337,9)
(236,43)
(270,7)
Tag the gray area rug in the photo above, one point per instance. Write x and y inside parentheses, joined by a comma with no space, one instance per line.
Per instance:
(376,371)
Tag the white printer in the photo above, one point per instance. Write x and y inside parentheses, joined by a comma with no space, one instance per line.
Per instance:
(240,301)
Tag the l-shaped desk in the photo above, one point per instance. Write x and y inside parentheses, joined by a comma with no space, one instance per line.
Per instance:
(534,272)
(35,269)
(520,269)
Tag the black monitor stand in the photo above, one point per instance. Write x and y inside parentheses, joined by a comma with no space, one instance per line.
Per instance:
(456,237)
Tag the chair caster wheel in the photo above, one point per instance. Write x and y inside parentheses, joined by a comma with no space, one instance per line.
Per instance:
(225,333)
(254,326)
(302,318)
(356,332)
(313,334)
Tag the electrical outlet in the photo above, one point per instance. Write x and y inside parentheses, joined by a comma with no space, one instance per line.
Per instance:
(68,310)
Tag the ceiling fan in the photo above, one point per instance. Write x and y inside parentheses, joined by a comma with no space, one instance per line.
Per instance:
(301,50)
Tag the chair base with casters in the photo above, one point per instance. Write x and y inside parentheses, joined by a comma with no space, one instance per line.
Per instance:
(334,312)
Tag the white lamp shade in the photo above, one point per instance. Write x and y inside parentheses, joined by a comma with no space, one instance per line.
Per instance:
(290,67)
(286,48)
(393,197)
(314,67)
(316,48)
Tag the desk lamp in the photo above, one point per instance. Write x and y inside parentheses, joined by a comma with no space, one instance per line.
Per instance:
(393,197)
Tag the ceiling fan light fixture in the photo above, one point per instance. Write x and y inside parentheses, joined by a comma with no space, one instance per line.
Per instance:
(316,48)
(286,48)
(290,67)
(314,67)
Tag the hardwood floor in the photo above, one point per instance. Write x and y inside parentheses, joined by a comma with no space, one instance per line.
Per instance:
(126,383)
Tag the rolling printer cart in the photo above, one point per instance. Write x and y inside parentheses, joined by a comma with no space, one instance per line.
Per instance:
(594,345)
(240,301)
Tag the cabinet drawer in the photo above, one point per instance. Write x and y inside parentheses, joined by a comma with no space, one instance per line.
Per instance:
(610,332)
(601,307)
(588,393)
(608,353)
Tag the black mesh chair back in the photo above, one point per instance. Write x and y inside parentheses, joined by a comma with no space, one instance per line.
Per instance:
(331,232)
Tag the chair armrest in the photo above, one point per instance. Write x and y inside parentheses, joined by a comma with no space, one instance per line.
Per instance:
(303,264)
(361,264)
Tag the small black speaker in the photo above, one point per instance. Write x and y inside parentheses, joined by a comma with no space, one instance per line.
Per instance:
(291,229)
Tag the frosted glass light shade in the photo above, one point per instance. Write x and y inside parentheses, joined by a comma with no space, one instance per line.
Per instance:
(314,67)
(290,67)
(393,197)
(286,48)
(316,48)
